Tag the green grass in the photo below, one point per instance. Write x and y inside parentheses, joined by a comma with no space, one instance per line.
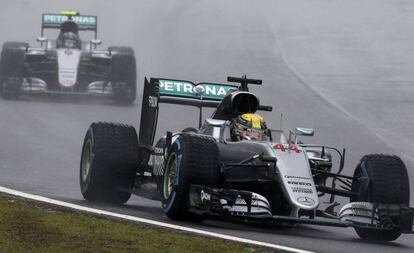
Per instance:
(28,227)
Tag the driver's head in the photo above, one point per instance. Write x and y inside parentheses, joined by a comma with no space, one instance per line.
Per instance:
(249,126)
(68,40)
(68,37)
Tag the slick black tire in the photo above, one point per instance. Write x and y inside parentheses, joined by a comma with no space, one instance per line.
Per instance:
(11,68)
(388,183)
(123,75)
(192,159)
(108,163)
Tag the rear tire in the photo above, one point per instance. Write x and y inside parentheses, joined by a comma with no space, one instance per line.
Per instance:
(12,68)
(388,184)
(123,75)
(108,162)
(192,159)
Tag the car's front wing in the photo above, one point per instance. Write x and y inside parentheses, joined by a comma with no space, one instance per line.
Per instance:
(35,86)
(254,208)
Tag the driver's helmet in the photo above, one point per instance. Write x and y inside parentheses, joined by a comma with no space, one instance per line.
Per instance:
(68,40)
(249,126)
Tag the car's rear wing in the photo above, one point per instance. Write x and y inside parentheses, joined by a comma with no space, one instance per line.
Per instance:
(161,90)
(84,22)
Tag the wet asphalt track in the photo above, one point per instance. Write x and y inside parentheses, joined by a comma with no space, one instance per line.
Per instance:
(343,68)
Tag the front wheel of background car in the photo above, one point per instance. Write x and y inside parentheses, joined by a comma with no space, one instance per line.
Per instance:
(123,75)
(387,184)
(11,68)
(191,159)
(108,163)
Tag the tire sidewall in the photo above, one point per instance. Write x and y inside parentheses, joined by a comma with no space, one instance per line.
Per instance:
(124,56)
(176,202)
(367,193)
(113,157)
(13,54)
(85,183)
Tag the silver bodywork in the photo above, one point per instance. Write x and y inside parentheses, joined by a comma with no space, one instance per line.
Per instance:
(294,173)
(296,178)
(68,61)
(278,180)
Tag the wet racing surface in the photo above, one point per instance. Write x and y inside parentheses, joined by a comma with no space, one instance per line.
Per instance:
(343,69)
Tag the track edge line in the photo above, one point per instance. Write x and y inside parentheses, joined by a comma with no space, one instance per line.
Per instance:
(147,221)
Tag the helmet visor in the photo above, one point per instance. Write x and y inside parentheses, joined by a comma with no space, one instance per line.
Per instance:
(253,134)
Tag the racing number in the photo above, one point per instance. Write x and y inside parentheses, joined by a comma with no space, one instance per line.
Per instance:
(282,148)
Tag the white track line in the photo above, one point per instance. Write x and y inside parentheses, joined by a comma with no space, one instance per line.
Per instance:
(147,221)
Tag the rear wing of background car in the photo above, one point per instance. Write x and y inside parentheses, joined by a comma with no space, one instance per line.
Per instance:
(161,90)
(84,22)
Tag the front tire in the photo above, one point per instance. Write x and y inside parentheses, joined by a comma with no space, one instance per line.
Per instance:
(108,163)
(11,68)
(123,75)
(388,184)
(192,159)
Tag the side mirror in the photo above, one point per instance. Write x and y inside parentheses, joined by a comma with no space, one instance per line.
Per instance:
(96,42)
(41,39)
(301,131)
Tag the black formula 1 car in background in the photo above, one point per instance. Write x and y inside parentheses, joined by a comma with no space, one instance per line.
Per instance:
(68,65)
(202,173)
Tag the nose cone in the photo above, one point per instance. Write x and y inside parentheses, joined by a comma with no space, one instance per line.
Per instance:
(68,61)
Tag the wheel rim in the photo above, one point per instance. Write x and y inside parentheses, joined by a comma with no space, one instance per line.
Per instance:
(86,160)
(170,176)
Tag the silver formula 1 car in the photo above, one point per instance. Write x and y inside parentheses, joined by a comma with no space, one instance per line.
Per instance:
(201,173)
(68,65)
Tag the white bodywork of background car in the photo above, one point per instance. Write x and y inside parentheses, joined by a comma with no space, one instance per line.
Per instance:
(68,63)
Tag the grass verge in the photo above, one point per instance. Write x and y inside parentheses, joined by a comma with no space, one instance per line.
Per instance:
(27,227)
